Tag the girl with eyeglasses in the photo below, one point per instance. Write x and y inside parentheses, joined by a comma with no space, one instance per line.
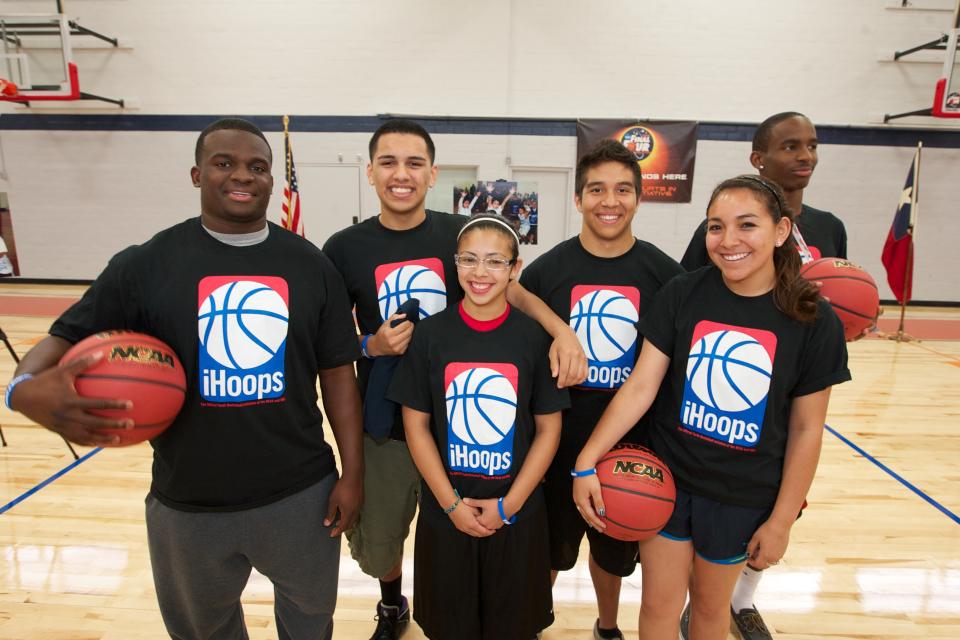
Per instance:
(747,352)
(482,419)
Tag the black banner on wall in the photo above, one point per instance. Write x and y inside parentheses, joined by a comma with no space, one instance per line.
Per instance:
(665,150)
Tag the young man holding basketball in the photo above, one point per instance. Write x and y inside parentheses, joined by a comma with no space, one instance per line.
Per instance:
(602,282)
(406,252)
(784,151)
(239,481)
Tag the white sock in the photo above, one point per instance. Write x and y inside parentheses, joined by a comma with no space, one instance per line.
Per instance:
(746,587)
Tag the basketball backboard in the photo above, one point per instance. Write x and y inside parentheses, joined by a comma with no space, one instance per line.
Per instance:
(36,57)
(946,101)
(946,95)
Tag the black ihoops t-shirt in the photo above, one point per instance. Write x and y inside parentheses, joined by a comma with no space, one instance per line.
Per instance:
(383,268)
(736,364)
(482,389)
(602,299)
(252,326)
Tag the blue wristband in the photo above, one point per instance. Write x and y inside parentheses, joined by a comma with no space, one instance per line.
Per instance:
(583,474)
(503,516)
(363,346)
(13,384)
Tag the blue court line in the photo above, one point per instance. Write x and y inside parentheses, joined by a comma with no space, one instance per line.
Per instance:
(27,494)
(895,475)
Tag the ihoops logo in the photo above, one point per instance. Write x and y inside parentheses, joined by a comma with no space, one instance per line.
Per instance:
(727,383)
(481,415)
(605,318)
(397,282)
(242,325)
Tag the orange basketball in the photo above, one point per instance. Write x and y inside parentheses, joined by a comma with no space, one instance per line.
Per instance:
(134,367)
(852,292)
(8,89)
(638,492)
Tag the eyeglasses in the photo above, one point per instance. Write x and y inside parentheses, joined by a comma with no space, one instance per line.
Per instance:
(467,262)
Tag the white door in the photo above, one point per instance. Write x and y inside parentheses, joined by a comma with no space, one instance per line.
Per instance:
(554,190)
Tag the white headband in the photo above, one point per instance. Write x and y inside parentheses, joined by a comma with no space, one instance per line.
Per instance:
(490,218)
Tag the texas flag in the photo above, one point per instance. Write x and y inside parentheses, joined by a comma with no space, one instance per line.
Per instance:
(898,250)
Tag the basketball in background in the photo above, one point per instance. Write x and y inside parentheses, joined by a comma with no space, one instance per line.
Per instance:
(134,367)
(638,492)
(852,292)
(8,89)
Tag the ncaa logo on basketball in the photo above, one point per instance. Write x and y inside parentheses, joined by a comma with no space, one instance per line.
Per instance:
(481,415)
(242,325)
(423,279)
(727,383)
(604,318)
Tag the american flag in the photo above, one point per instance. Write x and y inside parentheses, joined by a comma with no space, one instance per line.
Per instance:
(291,219)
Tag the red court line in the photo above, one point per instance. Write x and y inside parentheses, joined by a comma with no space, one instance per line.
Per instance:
(35,305)
(923,328)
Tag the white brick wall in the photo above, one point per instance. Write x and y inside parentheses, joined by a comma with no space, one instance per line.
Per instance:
(733,60)
(77,197)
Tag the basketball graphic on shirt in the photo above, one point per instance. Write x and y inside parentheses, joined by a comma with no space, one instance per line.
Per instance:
(729,370)
(481,399)
(605,322)
(422,279)
(242,324)
(481,406)
(727,383)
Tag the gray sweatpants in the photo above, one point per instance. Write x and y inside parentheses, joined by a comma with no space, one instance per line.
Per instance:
(202,561)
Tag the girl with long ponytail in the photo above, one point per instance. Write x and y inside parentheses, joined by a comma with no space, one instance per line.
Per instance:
(750,352)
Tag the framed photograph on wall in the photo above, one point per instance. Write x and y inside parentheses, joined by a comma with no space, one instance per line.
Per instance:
(519,205)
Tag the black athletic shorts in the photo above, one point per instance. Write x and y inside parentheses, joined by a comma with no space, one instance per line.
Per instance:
(467,588)
(720,532)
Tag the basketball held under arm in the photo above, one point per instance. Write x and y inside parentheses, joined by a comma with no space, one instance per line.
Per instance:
(50,398)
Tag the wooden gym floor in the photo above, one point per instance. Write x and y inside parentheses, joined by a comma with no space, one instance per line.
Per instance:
(874,557)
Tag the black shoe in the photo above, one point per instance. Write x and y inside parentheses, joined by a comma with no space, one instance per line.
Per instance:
(391,621)
(750,624)
(596,632)
(685,623)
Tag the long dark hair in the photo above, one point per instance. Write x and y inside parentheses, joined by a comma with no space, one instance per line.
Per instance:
(792,294)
